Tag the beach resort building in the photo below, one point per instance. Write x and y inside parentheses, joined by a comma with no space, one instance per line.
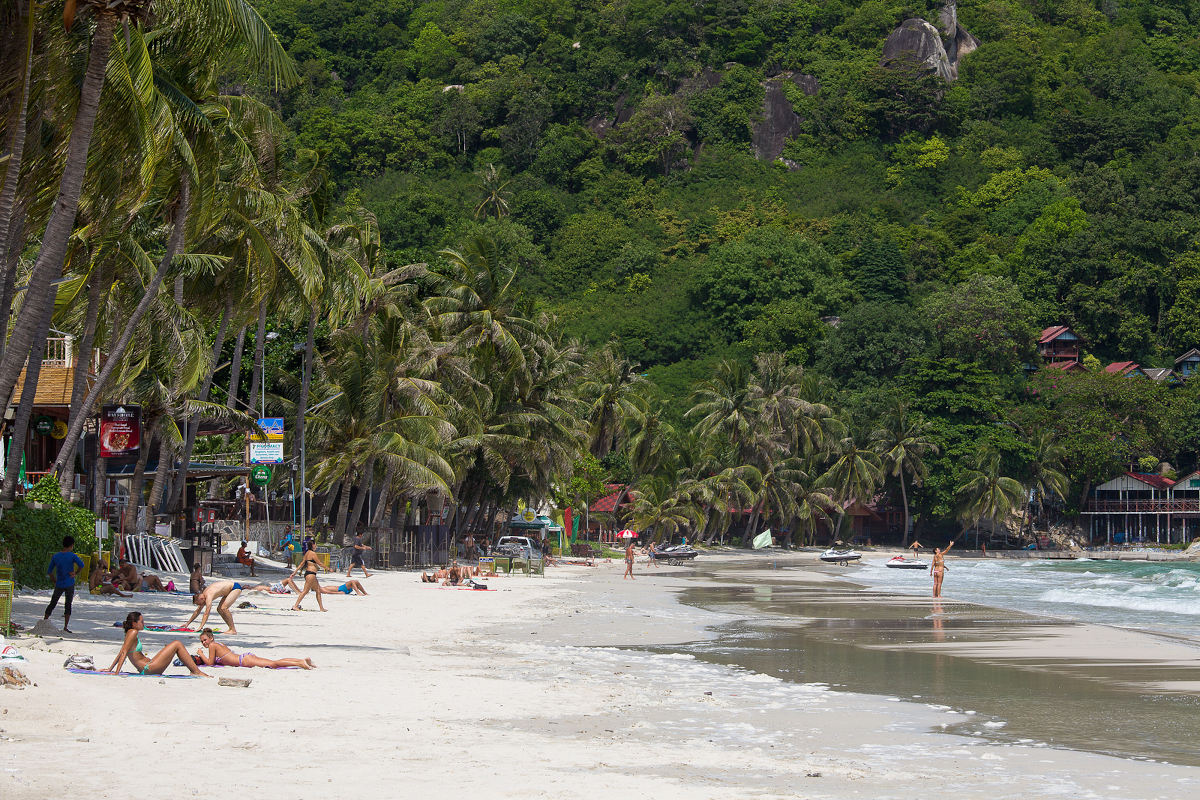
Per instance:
(1144,507)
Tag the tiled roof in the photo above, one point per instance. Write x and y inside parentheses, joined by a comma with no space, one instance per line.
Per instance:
(1064,365)
(1152,479)
(1158,374)
(608,503)
(1052,333)
(1190,355)
(1121,367)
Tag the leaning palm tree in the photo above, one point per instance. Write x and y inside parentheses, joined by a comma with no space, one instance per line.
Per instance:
(902,442)
(986,494)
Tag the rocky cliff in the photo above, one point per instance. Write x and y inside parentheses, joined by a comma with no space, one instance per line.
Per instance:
(918,44)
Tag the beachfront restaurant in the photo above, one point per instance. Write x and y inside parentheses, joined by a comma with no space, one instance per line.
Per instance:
(1141,507)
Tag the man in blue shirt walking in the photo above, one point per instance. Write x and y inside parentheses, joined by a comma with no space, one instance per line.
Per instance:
(63,566)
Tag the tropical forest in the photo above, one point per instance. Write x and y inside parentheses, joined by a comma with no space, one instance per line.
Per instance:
(751,264)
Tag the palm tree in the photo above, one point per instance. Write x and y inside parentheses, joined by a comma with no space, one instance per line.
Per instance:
(854,476)
(1045,471)
(986,494)
(659,507)
(615,405)
(228,22)
(902,442)
(726,407)
(495,191)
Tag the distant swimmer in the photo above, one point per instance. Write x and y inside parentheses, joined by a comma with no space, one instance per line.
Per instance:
(939,567)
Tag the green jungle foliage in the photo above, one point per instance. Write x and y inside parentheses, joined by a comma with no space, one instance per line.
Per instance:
(908,246)
(29,536)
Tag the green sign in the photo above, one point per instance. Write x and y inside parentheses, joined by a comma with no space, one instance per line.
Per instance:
(260,475)
(44,425)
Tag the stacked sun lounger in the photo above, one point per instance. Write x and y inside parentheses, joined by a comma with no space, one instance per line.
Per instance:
(155,552)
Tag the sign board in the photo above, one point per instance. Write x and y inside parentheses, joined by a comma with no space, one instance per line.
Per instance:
(272,427)
(266,452)
(260,475)
(529,515)
(120,431)
(43,425)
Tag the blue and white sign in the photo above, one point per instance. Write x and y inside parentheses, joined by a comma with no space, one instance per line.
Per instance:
(272,427)
(266,452)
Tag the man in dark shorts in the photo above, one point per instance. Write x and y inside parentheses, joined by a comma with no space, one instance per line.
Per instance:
(63,566)
(356,560)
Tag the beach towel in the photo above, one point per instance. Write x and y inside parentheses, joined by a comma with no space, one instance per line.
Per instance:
(169,628)
(126,674)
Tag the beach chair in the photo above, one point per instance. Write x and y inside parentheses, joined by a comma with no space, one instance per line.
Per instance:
(537,567)
(7,588)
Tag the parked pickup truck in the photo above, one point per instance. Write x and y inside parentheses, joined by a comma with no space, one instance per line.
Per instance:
(517,547)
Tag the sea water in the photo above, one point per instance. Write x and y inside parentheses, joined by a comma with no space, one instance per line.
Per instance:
(1162,596)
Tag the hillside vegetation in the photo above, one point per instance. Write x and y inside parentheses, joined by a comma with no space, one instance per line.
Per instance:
(906,245)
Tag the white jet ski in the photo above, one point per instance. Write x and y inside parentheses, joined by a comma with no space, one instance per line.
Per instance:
(836,555)
(904,562)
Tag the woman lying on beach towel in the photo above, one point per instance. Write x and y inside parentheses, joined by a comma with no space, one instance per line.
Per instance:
(157,664)
(347,588)
(214,653)
(450,577)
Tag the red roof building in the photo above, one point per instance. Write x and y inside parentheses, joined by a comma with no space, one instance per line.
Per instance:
(1126,369)
(611,501)
(1059,343)
(1067,366)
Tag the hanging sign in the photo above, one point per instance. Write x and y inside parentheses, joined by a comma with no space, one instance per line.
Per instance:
(60,430)
(272,428)
(44,425)
(120,431)
(260,475)
(265,452)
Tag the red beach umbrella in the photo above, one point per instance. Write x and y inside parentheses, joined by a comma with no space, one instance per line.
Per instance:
(627,534)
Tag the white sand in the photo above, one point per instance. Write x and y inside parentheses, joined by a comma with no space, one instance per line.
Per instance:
(422,690)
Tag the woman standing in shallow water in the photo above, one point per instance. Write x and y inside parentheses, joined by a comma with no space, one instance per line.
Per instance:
(939,567)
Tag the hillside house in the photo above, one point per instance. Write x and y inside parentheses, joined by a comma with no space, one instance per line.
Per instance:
(1143,507)
(1067,366)
(1161,374)
(1059,343)
(1188,363)
(1126,369)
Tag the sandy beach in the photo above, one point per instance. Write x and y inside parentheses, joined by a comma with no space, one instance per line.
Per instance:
(529,690)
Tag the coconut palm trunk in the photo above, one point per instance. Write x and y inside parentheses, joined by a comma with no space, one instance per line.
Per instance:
(302,401)
(343,508)
(907,517)
(193,428)
(117,354)
(364,491)
(138,481)
(83,359)
(235,374)
(256,373)
(161,478)
(9,246)
(49,264)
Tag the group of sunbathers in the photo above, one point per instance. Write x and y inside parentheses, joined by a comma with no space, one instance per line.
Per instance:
(124,578)
(211,653)
(452,576)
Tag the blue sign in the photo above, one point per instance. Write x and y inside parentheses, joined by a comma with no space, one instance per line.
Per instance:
(272,427)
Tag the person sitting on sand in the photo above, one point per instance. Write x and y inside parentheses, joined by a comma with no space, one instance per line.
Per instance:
(101,581)
(244,558)
(227,592)
(157,664)
(152,583)
(214,653)
(127,576)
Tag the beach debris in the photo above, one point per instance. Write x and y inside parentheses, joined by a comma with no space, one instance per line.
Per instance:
(812,775)
(9,653)
(79,662)
(241,683)
(12,677)
(43,627)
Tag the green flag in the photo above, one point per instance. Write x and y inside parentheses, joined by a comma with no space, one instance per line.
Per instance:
(763,540)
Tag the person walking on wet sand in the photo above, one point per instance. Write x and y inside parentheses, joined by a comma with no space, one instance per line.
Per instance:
(938,567)
(628,561)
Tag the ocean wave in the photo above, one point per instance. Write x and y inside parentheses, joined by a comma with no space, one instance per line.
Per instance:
(1130,602)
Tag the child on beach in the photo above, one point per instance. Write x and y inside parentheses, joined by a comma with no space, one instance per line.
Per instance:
(63,566)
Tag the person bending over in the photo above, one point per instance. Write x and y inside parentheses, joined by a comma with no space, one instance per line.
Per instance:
(131,648)
(214,653)
(227,592)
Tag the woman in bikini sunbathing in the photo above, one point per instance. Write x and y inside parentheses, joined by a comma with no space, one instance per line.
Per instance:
(214,653)
(349,587)
(157,664)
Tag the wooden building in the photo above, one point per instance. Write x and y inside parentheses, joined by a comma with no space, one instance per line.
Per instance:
(1126,369)
(1144,507)
(1188,363)
(1059,343)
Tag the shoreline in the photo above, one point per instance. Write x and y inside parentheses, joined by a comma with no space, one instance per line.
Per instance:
(533,690)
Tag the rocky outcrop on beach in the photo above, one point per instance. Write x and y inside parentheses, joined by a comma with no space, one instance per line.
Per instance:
(919,44)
